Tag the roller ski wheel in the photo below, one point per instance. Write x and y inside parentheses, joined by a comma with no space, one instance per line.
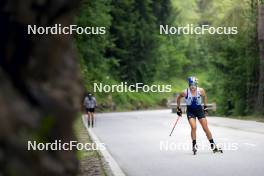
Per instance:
(217,150)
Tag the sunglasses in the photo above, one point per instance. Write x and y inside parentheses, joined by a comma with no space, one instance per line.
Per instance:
(192,85)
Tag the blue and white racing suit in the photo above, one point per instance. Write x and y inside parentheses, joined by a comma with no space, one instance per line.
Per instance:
(194,104)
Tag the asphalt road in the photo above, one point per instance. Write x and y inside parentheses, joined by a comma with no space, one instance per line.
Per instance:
(140,144)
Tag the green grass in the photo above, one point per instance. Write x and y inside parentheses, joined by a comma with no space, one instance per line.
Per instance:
(140,100)
(83,137)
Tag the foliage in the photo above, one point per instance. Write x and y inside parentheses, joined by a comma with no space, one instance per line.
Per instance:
(133,51)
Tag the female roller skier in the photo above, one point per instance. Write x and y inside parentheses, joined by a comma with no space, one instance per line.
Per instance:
(90,105)
(193,97)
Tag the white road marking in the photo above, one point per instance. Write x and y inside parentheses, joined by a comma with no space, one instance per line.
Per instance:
(114,167)
(249,144)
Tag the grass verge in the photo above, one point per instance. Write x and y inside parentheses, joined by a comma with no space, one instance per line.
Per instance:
(91,163)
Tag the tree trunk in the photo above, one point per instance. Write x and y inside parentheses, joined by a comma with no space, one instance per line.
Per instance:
(260,98)
(40,88)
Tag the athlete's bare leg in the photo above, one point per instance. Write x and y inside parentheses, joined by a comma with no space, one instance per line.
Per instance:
(92,118)
(192,122)
(89,118)
(203,122)
(208,133)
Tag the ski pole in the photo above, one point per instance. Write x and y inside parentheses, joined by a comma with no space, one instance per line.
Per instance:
(175,125)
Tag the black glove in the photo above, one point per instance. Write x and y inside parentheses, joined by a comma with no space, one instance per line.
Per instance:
(205,109)
(179,111)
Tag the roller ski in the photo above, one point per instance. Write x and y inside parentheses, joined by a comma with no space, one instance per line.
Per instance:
(215,149)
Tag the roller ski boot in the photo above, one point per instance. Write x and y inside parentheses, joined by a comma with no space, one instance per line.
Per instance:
(194,150)
(194,145)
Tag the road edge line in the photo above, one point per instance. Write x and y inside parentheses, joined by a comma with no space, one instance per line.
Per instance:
(113,166)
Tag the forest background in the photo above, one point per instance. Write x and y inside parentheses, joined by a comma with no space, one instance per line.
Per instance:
(229,67)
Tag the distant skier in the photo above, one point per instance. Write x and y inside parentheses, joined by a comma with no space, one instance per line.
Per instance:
(193,97)
(90,105)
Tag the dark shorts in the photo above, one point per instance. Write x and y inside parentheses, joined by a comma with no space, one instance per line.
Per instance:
(193,113)
(89,109)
